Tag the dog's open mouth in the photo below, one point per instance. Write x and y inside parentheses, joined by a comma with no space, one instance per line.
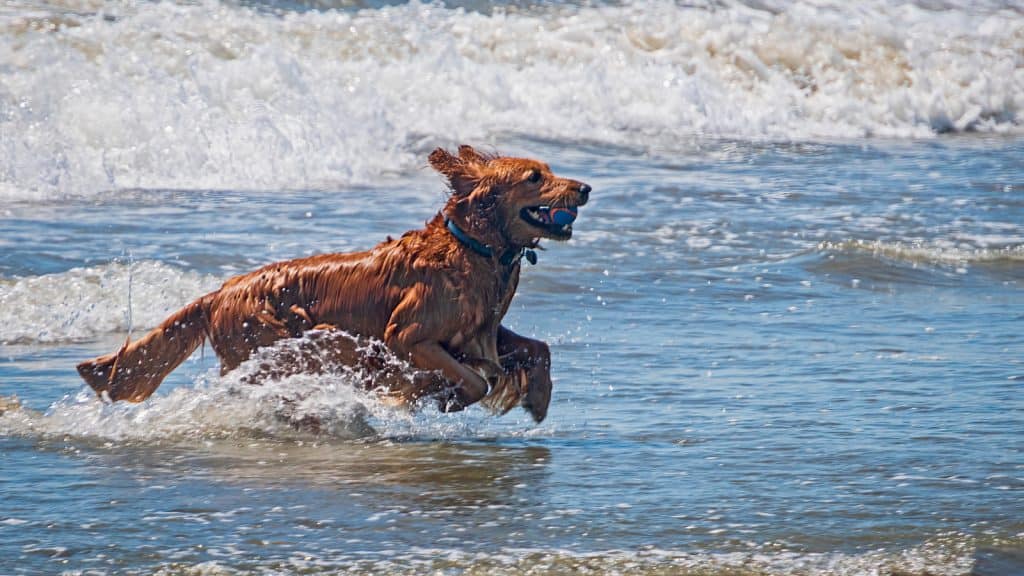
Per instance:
(556,221)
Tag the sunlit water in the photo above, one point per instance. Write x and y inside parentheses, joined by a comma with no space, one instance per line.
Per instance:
(781,345)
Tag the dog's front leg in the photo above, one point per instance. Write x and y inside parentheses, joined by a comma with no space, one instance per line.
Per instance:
(530,359)
(469,387)
(415,331)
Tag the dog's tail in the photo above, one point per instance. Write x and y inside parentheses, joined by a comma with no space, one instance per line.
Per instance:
(135,371)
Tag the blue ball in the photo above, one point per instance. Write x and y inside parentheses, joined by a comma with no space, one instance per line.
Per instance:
(563,216)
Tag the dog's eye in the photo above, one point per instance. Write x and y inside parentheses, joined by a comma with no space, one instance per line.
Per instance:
(534,177)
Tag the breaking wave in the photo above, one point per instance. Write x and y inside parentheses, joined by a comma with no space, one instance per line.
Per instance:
(103,95)
(935,254)
(882,265)
(84,302)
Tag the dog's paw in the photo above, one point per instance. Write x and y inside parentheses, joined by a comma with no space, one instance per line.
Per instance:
(537,394)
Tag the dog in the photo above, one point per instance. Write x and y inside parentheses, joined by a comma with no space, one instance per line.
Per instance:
(435,297)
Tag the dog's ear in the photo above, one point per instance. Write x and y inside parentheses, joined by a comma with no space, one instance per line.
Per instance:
(469,155)
(463,171)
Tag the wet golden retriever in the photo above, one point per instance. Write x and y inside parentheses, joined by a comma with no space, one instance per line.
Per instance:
(435,297)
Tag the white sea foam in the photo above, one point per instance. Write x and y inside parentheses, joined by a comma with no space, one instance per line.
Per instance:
(948,556)
(84,302)
(210,95)
(938,253)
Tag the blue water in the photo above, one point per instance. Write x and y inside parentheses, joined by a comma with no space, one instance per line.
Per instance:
(764,356)
(771,355)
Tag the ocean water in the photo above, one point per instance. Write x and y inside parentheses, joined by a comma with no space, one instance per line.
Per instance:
(786,334)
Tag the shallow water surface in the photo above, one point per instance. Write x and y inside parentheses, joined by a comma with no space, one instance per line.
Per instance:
(770,358)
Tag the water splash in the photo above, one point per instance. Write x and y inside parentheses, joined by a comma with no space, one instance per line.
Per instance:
(270,395)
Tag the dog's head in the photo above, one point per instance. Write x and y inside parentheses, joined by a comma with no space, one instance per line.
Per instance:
(511,202)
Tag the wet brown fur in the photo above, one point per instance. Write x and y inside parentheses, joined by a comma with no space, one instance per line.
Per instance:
(429,297)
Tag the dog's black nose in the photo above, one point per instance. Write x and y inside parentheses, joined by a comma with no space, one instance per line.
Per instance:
(584,192)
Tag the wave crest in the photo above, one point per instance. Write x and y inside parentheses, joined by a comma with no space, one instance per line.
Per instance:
(934,254)
(84,302)
(215,96)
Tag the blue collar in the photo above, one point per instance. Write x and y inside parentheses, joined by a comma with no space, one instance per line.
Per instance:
(474,244)
(485,250)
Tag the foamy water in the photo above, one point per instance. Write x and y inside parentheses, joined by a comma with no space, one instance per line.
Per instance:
(942,558)
(106,96)
(328,406)
(89,301)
